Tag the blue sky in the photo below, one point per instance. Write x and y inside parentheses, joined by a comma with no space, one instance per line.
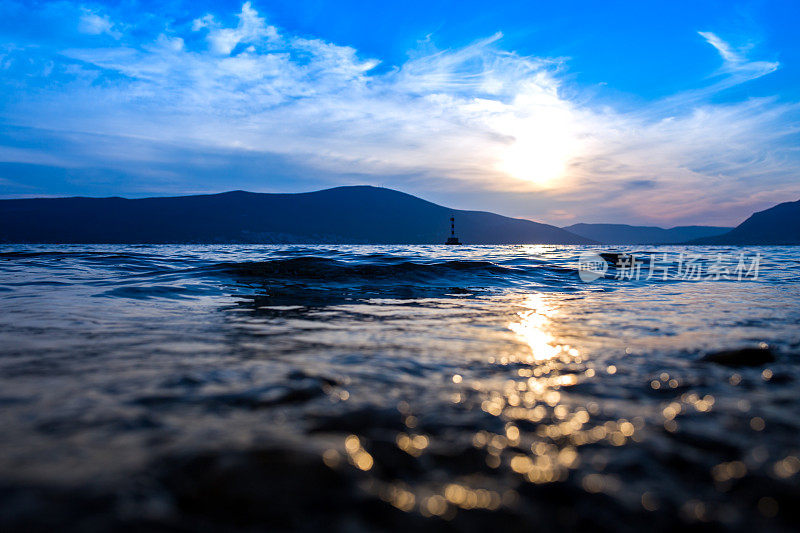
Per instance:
(632,112)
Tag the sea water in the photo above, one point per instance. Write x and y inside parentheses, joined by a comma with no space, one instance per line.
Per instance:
(387,387)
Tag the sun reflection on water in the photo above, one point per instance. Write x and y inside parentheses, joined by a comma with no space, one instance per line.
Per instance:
(520,422)
(543,432)
(532,328)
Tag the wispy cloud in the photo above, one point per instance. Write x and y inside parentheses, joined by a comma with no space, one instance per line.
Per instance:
(724,49)
(736,61)
(479,125)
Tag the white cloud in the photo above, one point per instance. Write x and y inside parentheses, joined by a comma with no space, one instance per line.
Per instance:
(724,49)
(174,44)
(735,62)
(251,28)
(477,118)
(95,23)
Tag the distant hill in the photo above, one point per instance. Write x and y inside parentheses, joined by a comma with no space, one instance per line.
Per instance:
(777,225)
(625,234)
(354,215)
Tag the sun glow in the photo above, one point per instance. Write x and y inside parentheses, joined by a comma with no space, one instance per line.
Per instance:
(543,128)
(534,160)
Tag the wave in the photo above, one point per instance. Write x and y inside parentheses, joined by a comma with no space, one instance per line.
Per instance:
(384,269)
(319,271)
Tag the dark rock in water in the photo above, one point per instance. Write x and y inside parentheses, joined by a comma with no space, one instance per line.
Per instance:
(626,260)
(612,258)
(741,357)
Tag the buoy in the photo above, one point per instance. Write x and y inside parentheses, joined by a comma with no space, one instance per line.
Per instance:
(452,239)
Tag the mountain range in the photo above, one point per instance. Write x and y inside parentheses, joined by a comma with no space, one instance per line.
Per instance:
(342,215)
(355,215)
(777,225)
(625,234)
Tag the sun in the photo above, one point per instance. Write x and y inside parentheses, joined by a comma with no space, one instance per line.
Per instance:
(539,155)
(543,140)
(535,163)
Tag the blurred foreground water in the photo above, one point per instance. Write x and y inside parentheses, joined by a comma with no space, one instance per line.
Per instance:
(363,388)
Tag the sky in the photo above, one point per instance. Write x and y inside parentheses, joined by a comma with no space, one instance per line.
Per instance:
(661,113)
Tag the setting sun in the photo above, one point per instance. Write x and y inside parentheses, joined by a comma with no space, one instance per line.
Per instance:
(544,138)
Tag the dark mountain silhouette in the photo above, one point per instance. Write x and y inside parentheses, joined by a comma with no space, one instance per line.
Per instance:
(777,225)
(359,214)
(625,234)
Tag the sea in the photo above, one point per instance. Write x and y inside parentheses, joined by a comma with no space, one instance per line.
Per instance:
(383,388)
